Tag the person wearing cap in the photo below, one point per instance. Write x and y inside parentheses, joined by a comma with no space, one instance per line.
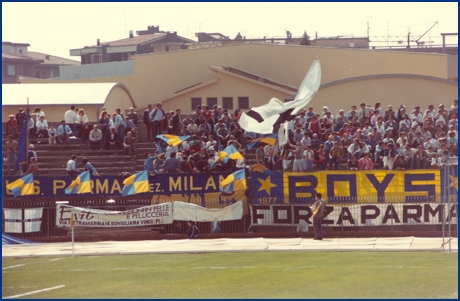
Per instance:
(11,126)
(32,153)
(42,128)
(89,167)
(133,116)
(21,117)
(32,167)
(325,110)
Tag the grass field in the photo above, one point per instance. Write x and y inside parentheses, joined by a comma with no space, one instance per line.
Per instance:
(237,275)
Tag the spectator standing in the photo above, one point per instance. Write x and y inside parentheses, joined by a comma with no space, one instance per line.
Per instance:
(156,116)
(89,167)
(260,156)
(176,122)
(70,117)
(318,215)
(11,149)
(11,126)
(148,124)
(171,164)
(104,123)
(299,163)
(133,116)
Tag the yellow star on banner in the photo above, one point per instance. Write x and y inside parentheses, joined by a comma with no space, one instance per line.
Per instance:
(266,185)
(453,182)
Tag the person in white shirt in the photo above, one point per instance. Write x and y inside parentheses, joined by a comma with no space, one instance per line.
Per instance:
(71,167)
(211,142)
(309,157)
(95,138)
(70,117)
(42,127)
(170,149)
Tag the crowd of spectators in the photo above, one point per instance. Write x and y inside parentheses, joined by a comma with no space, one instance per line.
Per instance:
(368,137)
(364,138)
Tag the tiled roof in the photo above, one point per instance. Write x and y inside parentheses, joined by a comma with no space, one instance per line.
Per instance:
(134,40)
(51,59)
(16,56)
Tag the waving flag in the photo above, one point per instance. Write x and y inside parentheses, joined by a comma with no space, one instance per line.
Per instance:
(271,140)
(22,186)
(230,152)
(234,182)
(172,139)
(80,185)
(23,144)
(267,118)
(136,183)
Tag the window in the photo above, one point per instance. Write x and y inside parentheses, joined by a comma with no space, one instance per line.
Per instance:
(95,58)
(196,101)
(10,69)
(243,102)
(227,103)
(211,101)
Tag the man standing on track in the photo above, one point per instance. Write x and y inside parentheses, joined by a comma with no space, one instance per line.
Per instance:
(318,215)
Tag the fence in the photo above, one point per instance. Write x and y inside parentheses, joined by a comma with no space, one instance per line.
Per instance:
(294,219)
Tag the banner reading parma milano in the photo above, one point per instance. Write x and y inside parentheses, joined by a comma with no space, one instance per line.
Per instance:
(345,187)
(198,188)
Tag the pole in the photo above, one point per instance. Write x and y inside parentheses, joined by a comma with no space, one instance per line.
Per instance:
(71,226)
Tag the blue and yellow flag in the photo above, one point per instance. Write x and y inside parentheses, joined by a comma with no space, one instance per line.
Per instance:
(136,183)
(271,140)
(173,139)
(22,186)
(230,152)
(23,144)
(80,185)
(234,182)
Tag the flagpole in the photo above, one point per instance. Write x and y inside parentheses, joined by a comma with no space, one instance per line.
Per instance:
(71,226)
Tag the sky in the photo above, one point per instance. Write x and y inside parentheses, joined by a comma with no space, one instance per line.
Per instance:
(55,28)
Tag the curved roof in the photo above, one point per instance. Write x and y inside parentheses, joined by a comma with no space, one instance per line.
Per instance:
(59,94)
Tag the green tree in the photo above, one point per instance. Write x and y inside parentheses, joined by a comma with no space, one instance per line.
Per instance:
(305,40)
